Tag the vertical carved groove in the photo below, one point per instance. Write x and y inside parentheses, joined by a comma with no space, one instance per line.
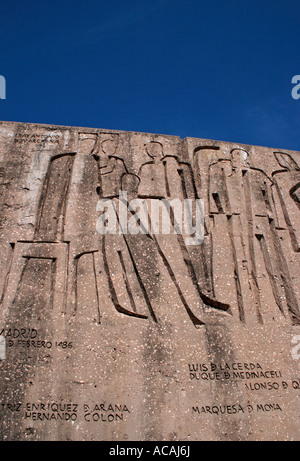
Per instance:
(96,288)
(76,261)
(237,280)
(250,231)
(217,200)
(6,278)
(291,298)
(270,272)
(53,202)
(126,281)
(166,179)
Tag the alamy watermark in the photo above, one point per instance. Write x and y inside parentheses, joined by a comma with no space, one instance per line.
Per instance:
(296,348)
(2,87)
(296,89)
(152,216)
(2,348)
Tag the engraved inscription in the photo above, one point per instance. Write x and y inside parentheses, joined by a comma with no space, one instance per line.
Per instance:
(25,138)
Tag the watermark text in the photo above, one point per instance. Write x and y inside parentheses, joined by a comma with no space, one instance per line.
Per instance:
(2,87)
(296,89)
(152,216)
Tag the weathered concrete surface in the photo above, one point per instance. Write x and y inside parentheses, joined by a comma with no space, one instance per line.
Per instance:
(143,337)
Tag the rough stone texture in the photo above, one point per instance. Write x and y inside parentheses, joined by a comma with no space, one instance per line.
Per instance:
(142,337)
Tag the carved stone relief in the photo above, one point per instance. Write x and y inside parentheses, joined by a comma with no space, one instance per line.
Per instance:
(119,326)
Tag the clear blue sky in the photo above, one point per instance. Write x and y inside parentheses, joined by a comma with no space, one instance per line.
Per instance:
(217,69)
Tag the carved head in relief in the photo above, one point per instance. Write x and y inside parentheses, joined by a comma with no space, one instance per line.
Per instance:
(109,147)
(240,158)
(154,149)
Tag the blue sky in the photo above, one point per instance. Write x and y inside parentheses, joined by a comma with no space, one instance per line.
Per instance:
(217,69)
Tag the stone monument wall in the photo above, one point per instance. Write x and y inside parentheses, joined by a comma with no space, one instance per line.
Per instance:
(191,333)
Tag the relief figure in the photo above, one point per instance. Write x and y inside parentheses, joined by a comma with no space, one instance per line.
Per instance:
(248,262)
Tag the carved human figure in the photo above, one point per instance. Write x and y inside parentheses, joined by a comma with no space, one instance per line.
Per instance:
(240,201)
(110,169)
(126,287)
(132,259)
(287,181)
(163,178)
